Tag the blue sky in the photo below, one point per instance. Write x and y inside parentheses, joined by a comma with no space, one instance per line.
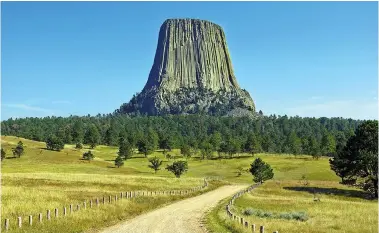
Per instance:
(295,58)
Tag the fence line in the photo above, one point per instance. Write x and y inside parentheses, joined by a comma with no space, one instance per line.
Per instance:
(239,219)
(128,195)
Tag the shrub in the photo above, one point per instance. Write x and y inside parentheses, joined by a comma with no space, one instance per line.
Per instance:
(88,156)
(178,168)
(248,212)
(300,216)
(78,146)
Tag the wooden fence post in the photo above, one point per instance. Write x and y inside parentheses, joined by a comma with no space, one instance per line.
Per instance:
(19,222)
(246,224)
(77,207)
(242,221)
(90,204)
(71,209)
(121,195)
(64,211)
(110,199)
(48,214)
(6,224)
(115,197)
(262,229)
(40,217)
(56,213)
(30,220)
(97,201)
(84,205)
(276,231)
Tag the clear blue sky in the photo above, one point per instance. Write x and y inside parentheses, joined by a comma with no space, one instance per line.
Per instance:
(295,58)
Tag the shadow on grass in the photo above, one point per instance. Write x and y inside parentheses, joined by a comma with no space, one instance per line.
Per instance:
(332,191)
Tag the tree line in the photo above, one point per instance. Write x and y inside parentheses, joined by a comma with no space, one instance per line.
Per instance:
(191,133)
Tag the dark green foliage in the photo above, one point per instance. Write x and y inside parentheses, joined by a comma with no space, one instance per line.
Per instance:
(252,145)
(185,150)
(358,160)
(3,154)
(88,156)
(92,136)
(78,146)
(166,143)
(206,150)
(119,161)
(54,143)
(155,164)
(178,168)
(272,132)
(144,147)
(261,171)
(19,150)
(77,131)
(294,144)
(125,150)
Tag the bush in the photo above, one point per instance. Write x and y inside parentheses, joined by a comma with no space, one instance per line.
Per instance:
(54,143)
(248,212)
(298,216)
(88,156)
(78,146)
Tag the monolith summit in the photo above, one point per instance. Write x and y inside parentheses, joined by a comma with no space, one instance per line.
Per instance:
(192,73)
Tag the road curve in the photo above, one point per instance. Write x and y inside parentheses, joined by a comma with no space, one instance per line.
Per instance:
(181,217)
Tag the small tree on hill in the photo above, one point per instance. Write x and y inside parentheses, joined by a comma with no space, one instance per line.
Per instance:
(92,136)
(125,149)
(19,150)
(88,156)
(54,143)
(261,171)
(185,150)
(3,154)
(144,147)
(78,146)
(206,150)
(155,164)
(119,161)
(178,168)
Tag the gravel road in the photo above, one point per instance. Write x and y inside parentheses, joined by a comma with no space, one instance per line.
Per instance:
(181,217)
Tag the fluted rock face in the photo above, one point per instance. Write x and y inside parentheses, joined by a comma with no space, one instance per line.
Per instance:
(192,54)
(192,72)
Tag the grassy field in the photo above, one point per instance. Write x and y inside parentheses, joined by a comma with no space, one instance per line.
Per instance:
(43,179)
(340,209)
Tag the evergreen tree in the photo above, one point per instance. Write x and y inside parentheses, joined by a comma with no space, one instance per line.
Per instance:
(144,147)
(294,144)
(19,150)
(178,168)
(252,145)
(261,171)
(3,154)
(77,132)
(92,136)
(155,164)
(358,160)
(125,150)
(88,156)
(119,162)
(54,143)
(328,144)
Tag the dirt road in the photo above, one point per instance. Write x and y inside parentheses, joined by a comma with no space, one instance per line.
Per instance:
(181,217)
